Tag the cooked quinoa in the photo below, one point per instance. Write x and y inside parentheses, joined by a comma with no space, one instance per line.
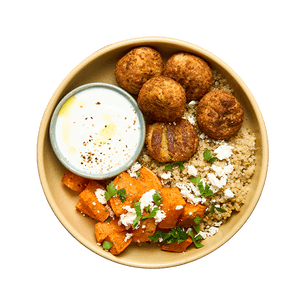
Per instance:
(232,175)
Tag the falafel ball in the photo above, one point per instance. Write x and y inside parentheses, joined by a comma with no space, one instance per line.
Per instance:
(169,142)
(162,99)
(192,72)
(219,115)
(136,67)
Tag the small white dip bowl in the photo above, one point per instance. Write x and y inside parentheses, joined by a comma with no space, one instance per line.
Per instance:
(97,131)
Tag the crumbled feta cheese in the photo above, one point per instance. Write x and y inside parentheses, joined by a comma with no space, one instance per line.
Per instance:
(187,195)
(191,119)
(213,230)
(166,175)
(100,194)
(132,171)
(192,102)
(215,182)
(160,215)
(94,204)
(228,193)
(223,151)
(189,230)
(228,169)
(146,200)
(179,207)
(127,218)
(192,170)
(218,170)
(128,236)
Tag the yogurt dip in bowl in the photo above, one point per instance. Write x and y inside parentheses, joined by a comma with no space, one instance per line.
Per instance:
(97,131)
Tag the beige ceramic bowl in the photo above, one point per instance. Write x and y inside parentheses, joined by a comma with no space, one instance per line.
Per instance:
(99,67)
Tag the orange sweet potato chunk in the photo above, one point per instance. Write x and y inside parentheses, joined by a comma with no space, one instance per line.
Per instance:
(148,180)
(146,229)
(82,207)
(171,199)
(133,190)
(88,197)
(118,239)
(104,229)
(74,182)
(175,247)
(190,212)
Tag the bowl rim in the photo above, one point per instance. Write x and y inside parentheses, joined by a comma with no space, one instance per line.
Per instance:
(66,163)
(132,43)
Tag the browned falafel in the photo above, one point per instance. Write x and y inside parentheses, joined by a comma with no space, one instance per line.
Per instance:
(136,67)
(192,72)
(162,99)
(219,115)
(169,142)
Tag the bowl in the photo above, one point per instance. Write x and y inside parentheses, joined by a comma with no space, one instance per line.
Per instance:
(99,67)
(98,110)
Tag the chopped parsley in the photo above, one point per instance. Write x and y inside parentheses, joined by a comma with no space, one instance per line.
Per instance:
(157,198)
(138,173)
(208,157)
(107,245)
(217,209)
(108,220)
(151,215)
(180,164)
(204,190)
(196,239)
(174,235)
(138,214)
(111,191)
(197,221)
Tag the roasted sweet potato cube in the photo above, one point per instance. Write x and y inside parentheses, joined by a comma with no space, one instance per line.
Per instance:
(97,209)
(173,205)
(146,229)
(175,247)
(74,182)
(148,180)
(104,229)
(133,190)
(190,212)
(82,207)
(119,240)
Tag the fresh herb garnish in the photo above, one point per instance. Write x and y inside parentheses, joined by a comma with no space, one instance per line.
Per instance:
(204,190)
(208,157)
(157,198)
(108,220)
(138,213)
(107,245)
(217,209)
(111,191)
(138,173)
(180,164)
(196,239)
(174,235)
(153,162)
(122,194)
(197,221)
(151,215)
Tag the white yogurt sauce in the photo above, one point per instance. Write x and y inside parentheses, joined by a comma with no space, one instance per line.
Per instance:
(97,130)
